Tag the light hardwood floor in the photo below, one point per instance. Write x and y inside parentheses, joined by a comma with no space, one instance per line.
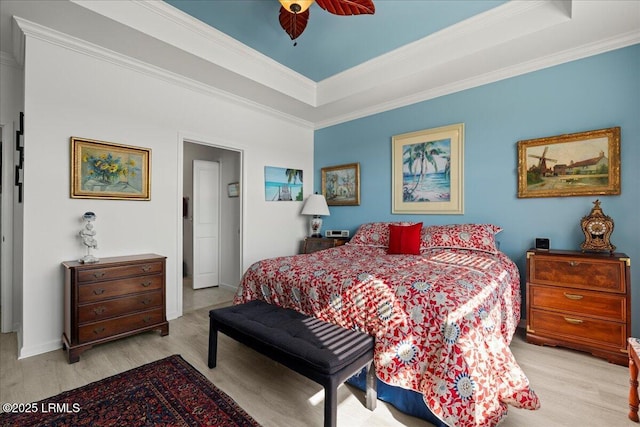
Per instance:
(575,389)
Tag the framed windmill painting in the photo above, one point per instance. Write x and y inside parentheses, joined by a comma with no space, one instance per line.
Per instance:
(577,164)
(427,171)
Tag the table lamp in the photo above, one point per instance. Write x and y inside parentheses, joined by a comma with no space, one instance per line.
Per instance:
(316,206)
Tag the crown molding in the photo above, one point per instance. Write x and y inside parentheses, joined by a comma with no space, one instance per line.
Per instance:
(40,32)
(170,25)
(513,39)
(485,31)
(557,58)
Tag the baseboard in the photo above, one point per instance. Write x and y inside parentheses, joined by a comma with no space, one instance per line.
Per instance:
(23,353)
(225,285)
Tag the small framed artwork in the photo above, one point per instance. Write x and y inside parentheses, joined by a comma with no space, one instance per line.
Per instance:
(341,185)
(577,164)
(104,170)
(233,189)
(282,184)
(427,171)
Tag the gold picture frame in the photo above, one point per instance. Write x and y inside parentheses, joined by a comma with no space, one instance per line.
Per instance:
(427,171)
(105,170)
(577,164)
(341,184)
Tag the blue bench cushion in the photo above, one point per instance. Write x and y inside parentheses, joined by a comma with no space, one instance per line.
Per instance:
(324,346)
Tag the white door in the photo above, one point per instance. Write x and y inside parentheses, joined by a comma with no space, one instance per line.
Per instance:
(206,223)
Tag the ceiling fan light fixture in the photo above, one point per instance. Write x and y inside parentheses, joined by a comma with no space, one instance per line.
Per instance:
(296,6)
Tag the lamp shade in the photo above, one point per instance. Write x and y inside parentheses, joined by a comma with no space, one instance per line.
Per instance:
(315,205)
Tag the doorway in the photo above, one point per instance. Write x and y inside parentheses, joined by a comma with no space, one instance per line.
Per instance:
(7,323)
(230,226)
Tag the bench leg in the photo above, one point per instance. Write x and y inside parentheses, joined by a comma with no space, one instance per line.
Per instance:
(330,405)
(372,392)
(213,346)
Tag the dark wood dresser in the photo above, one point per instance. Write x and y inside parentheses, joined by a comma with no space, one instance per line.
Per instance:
(111,299)
(580,301)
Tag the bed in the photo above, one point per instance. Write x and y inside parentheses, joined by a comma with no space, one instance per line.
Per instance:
(441,301)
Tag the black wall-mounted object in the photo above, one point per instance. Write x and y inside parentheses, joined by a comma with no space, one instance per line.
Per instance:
(20,150)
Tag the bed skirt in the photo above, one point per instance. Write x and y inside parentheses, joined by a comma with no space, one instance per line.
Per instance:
(407,401)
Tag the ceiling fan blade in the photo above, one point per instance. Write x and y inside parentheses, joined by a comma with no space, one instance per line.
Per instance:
(293,23)
(348,7)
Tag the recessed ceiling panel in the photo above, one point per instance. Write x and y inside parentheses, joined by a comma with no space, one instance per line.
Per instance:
(330,43)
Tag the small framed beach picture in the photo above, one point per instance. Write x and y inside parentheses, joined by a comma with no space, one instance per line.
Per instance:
(282,184)
(427,171)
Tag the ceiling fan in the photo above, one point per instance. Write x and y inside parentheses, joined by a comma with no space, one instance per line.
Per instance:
(294,14)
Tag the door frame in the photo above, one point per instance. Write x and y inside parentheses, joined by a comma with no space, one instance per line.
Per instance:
(7,323)
(215,143)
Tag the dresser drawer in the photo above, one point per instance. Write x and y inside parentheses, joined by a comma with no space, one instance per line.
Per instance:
(119,306)
(108,273)
(572,328)
(103,290)
(576,272)
(118,325)
(606,306)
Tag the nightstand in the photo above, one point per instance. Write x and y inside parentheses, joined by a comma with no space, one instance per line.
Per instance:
(580,301)
(314,244)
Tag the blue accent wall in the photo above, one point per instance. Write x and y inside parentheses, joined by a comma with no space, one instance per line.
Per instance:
(593,93)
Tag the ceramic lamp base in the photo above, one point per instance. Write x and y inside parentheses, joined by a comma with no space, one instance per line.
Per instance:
(315,225)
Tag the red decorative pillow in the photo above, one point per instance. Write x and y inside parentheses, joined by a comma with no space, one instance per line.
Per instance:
(374,234)
(478,237)
(404,239)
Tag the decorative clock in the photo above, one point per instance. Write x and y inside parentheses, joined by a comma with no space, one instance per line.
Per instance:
(597,228)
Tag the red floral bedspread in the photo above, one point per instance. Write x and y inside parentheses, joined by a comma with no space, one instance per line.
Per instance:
(442,321)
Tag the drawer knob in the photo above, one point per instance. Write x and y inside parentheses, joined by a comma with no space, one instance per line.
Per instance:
(146,301)
(146,268)
(98,331)
(573,296)
(574,263)
(146,284)
(146,319)
(573,321)
(99,310)
(98,291)
(98,274)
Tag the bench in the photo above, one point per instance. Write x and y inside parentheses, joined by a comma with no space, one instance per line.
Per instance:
(325,353)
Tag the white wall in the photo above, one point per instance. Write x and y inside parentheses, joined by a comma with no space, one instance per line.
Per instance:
(69,92)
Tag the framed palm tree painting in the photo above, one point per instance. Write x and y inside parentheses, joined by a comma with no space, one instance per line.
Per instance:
(427,171)
(282,184)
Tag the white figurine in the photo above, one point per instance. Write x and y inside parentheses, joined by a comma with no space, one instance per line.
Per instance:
(88,237)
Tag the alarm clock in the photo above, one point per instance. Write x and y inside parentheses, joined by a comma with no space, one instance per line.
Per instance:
(597,228)
(542,244)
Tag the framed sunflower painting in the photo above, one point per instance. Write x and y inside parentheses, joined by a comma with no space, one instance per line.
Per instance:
(104,170)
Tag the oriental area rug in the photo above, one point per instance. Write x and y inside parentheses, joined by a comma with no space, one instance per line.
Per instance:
(168,392)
